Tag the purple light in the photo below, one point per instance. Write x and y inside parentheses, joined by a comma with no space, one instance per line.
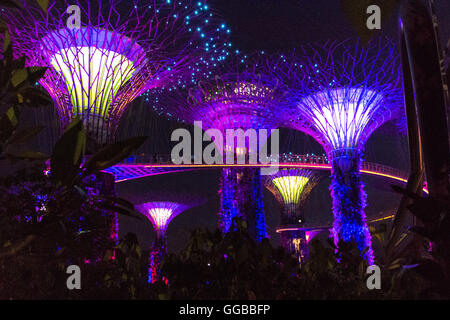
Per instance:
(120,51)
(94,65)
(160,214)
(291,187)
(342,94)
(245,95)
(342,116)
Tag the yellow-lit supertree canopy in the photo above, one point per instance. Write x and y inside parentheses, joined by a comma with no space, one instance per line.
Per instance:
(291,187)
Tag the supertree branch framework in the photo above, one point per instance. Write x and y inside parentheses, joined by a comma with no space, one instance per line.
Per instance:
(291,187)
(245,95)
(160,215)
(342,94)
(120,50)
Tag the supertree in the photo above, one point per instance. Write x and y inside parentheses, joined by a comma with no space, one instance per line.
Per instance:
(239,103)
(160,214)
(118,50)
(291,187)
(342,92)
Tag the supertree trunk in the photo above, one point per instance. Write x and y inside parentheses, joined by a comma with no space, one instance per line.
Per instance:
(241,196)
(159,249)
(103,184)
(108,189)
(228,200)
(160,213)
(294,242)
(349,201)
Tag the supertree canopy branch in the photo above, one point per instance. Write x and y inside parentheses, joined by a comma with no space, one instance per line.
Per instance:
(94,65)
(342,94)
(160,215)
(121,49)
(245,96)
(291,187)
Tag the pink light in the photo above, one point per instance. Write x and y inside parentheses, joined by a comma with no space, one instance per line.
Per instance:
(219,166)
(161,213)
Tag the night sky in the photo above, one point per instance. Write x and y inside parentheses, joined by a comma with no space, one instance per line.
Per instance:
(273,26)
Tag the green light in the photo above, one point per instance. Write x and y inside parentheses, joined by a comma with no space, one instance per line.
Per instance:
(290,187)
(93,77)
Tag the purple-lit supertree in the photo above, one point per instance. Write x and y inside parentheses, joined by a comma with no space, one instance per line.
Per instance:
(291,187)
(161,213)
(120,49)
(341,93)
(245,95)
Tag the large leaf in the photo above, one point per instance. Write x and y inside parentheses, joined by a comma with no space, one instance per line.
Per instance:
(6,41)
(17,64)
(43,4)
(34,97)
(425,232)
(19,77)
(8,123)
(25,134)
(112,154)
(28,155)
(68,152)
(35,73)
(124,210)
(23,77)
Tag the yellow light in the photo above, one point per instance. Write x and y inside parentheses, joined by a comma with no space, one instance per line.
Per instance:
(239,89)
(93,76)
(290,187)
(160,216)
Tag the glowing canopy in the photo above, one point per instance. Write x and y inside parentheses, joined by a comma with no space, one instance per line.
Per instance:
(342,116)
(114,52)
(290,187)
(93,76)
(95,64)
(161,213)
(232,104)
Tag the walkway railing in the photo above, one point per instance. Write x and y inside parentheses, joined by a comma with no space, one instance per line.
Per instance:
(143,165)
(165,161)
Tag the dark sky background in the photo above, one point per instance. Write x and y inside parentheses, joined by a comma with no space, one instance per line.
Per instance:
(273,26)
